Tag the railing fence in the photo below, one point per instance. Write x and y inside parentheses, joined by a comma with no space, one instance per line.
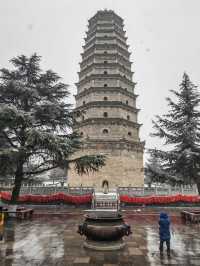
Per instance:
(132,191)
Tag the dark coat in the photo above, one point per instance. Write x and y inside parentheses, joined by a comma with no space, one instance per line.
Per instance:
(164,229)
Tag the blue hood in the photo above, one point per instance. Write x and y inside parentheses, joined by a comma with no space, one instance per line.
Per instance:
(163,215)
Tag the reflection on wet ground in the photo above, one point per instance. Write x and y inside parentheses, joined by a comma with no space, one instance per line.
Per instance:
(54,241)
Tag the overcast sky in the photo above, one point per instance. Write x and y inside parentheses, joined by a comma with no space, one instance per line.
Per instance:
(163,35)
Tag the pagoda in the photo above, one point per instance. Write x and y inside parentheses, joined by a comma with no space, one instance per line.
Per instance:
(106,100)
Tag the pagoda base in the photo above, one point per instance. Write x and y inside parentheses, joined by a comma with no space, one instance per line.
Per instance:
(123,168)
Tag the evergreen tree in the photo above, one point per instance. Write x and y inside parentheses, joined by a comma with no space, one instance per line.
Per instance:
(180,130)
(57,175)
(153,170)
(36,124)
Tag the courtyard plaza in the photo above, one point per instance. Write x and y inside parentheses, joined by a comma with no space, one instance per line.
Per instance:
(49,239)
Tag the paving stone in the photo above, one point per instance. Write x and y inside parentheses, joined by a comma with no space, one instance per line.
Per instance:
(144,248)
(195,262)
(69,237)
(135,251)
(82,260)
(110,264)
(132,244)
(171,262)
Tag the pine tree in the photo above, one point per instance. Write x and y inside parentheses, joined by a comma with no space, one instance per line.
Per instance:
(153,170)
(57,175)
(36,124)
(180,130)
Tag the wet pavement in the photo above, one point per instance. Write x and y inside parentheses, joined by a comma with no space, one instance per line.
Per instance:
(54,241)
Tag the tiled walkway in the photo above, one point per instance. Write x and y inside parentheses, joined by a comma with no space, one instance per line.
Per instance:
(54,241)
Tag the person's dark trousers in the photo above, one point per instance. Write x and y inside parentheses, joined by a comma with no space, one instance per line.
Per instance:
(167,244)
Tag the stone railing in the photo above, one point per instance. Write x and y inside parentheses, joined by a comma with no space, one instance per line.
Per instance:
(47,190)
(146,191)
(132,191)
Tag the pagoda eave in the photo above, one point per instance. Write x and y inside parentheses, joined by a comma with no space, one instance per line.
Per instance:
(105,89)
(107,121)
(107,76)
(111,104)
(120,144)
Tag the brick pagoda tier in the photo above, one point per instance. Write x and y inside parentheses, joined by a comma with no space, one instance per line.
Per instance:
(106,99)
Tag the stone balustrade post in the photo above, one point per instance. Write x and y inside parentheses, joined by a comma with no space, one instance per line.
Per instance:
(169,190)
(182,189)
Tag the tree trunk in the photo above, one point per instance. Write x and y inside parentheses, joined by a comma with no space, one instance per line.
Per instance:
(17,184)
(198,187)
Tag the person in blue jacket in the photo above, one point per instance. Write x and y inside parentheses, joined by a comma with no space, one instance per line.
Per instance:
(164,232)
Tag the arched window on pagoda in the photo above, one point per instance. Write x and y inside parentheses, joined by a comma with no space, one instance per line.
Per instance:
(105,98)
(129,134)
(128,117)
(105,114)
(105,131)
